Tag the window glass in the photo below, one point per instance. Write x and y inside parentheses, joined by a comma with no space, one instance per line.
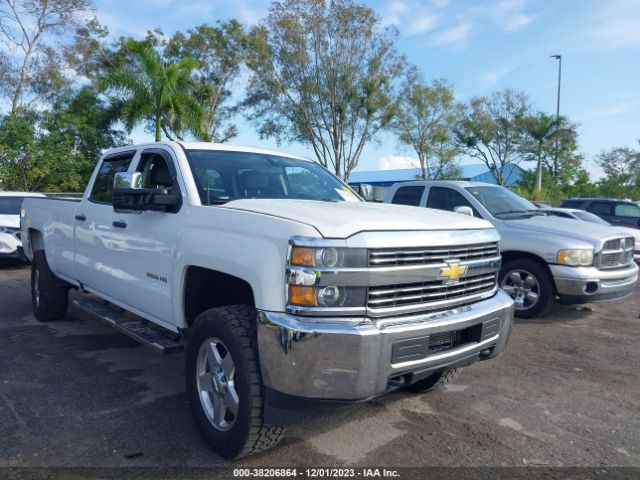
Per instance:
(627,210)
(590,217)
(409,195)
(502,202)
(600,208)
(10,205)
(442,198)
(224,176)
(571,204)
(102,191)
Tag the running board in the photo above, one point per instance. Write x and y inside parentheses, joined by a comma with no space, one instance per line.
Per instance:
(138,331)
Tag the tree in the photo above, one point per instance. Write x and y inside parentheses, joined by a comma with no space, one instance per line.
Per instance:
(544,130)
(148,90)
(33,67)
(425,116)
(492,129)
(221,51)
(621,165)
(325,74)
(56,150)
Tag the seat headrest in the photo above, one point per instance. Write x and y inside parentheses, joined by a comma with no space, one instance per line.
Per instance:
(254,180)
(160,174)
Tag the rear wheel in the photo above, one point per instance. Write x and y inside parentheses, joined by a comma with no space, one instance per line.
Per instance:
(437,380)
(529,284)
(224,384)
(49,294)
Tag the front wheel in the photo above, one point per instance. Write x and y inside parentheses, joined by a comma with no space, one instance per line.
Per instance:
(224,384)
(529,284)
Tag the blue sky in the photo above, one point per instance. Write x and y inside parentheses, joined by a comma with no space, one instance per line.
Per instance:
(480,47)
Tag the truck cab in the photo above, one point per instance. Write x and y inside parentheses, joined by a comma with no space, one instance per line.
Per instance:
(543,257)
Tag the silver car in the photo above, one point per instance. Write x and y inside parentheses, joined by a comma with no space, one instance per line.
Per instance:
(543,257)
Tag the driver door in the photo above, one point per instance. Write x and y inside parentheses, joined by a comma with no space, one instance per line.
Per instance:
(150,238)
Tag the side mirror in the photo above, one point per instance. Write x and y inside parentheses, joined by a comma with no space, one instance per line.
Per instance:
(127,192)
(463,210)
(366,191)
(130,197)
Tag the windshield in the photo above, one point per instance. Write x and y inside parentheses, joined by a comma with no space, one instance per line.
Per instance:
(502,202)
(10,205)
(590,217)
(224,176)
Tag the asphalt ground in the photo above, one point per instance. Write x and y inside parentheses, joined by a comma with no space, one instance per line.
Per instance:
(76,393)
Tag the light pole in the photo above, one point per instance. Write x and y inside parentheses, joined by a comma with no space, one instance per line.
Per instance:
(555,160)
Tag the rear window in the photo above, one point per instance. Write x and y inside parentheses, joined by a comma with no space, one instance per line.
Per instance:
(600,208)
(571,204)
(409,195)
(627,210)
(10,205)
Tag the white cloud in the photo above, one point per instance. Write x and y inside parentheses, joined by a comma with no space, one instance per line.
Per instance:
(457,35)
(421,24)
(510,15)
(391,162)
(617,25)
(492,77)
(411,18)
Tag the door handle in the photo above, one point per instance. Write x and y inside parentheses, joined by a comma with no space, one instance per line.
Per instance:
(81,218)
(119,224)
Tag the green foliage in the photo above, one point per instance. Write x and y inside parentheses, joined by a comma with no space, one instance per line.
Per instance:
(147,90)
(324,74)
(424,121)
(492,130)
(220,52)
(56,150)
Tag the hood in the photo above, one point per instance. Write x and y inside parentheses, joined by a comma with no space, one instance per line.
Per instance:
(10,221)
(634,232)
(565,227)
(344,219)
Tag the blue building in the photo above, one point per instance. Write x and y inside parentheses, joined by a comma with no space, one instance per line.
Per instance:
(471,173)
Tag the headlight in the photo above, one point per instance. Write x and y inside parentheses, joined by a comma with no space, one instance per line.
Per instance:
(329,257)
(310,271)
(577,257)
(330,296)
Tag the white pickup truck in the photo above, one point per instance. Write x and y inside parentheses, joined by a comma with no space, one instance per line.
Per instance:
(283,287)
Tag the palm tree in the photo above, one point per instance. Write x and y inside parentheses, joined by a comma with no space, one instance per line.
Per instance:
(543,129)
(152,90)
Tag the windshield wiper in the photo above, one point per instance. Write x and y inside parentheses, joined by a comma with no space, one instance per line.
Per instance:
(510,212)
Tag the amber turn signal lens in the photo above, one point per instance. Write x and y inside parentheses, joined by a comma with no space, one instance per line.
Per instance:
(302,256)
(302,296)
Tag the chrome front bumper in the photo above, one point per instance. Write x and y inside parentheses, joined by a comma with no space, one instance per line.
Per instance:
(358,358)
(589,284)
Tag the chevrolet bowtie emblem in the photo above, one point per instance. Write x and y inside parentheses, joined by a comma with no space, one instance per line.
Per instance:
(453,271)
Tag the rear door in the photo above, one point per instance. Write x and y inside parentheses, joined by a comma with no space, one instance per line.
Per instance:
(98,243)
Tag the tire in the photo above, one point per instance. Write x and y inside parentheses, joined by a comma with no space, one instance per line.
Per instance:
(215,385)
(49,294)
(433,382)
(520,278)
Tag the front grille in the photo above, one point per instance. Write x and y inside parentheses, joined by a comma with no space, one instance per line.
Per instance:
(617,252)
(389,296)
(392,257)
